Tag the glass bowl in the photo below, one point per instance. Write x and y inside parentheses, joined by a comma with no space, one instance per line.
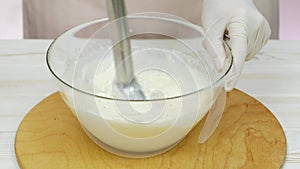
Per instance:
(178,76)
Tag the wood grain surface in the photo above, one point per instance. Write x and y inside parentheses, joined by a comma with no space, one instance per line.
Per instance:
(248,136)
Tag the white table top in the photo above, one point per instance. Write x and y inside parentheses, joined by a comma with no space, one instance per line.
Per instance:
(273,77)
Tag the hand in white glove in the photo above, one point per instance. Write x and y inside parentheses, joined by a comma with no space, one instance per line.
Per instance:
(247,30)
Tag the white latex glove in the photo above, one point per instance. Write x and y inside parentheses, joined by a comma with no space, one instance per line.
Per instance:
(247,30)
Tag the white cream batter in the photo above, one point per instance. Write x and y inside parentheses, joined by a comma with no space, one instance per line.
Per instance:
(149,125)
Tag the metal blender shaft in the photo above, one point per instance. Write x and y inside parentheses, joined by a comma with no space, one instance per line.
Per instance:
(122,51)
(122,48)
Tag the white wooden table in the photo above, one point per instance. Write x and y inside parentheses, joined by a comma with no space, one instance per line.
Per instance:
(273,77)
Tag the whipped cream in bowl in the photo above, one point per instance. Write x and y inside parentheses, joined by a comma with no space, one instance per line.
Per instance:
(178,77)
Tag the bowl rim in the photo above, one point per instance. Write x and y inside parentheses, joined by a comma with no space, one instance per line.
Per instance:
(226,45)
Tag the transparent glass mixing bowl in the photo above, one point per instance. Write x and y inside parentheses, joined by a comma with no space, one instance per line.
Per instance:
(176,73)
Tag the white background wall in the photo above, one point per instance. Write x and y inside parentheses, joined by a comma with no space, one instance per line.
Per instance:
(289,20)
(11,19)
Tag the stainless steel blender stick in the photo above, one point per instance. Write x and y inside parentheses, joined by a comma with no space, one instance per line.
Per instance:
(122,50)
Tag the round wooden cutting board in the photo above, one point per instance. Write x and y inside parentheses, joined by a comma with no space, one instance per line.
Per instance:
(248,136)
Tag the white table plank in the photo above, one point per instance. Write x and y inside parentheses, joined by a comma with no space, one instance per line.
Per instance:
(7,154)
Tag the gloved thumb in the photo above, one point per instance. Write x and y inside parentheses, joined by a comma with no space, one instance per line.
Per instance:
(237,33)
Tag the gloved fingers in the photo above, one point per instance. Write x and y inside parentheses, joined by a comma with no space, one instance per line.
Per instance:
(262,36)
(214,42)
(237,32)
